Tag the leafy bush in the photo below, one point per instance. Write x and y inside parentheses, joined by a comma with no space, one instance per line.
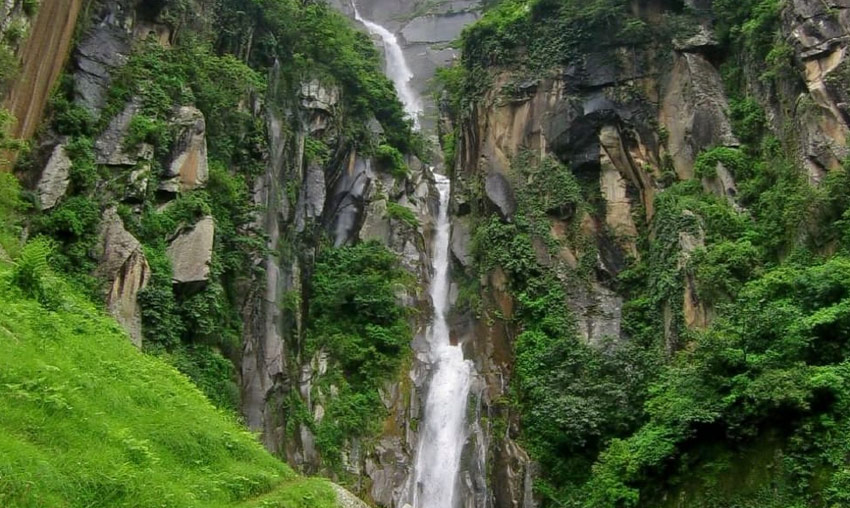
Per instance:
(392,160)
(11,210)
(32,269)
(83,172)
(161,321)
(403,214)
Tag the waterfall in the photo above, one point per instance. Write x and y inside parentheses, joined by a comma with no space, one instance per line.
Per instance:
(397,69)
(443,429)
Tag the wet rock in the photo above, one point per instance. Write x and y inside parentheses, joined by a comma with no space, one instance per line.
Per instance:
(436,28)
(191,253)
(618,206)
(348,200)
(188,168)
(55,178)
(123,265)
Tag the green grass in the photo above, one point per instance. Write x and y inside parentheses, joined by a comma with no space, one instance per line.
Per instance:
(87,420)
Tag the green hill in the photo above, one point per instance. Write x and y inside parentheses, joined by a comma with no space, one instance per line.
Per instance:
(88,420)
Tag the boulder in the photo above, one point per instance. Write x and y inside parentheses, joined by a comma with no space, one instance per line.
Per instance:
(55,178)
(188,168)
(191,253)
(123,265)
(345,499)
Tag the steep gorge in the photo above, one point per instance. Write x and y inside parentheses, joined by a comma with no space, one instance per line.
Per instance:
(628,290)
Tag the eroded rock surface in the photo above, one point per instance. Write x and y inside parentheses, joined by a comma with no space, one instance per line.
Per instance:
(123,266)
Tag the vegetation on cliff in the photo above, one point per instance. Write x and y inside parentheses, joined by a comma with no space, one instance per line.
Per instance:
(748,411)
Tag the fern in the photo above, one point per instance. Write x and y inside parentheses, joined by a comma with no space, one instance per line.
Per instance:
(32,268)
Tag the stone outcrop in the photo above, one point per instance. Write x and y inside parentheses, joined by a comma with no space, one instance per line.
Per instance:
(188,168)
(55,178)
(191,253)
(122,264)
(110,149)
(346,197)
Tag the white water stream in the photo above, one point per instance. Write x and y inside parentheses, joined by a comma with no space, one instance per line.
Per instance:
(397,69)
(443,430)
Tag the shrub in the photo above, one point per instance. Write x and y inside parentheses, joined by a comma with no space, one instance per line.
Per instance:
(392,160)
(402,213)
(32,269)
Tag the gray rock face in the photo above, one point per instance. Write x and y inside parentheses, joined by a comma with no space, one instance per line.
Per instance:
(191,253)
(315,95)
(188,168)
(55,178)
(347,200)
(436,28)
(124,267)
(104,48)
(461,240)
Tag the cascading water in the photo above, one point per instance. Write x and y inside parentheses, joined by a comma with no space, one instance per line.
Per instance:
(397,69)
(443,431)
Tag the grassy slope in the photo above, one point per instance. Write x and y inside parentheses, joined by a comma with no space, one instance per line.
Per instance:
(87,420)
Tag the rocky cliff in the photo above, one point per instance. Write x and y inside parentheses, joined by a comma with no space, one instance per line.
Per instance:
(634,183)
(577,163)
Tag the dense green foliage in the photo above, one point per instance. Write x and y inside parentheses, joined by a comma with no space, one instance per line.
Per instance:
(355,318)
(748,412)
(72,379)
(571,395)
